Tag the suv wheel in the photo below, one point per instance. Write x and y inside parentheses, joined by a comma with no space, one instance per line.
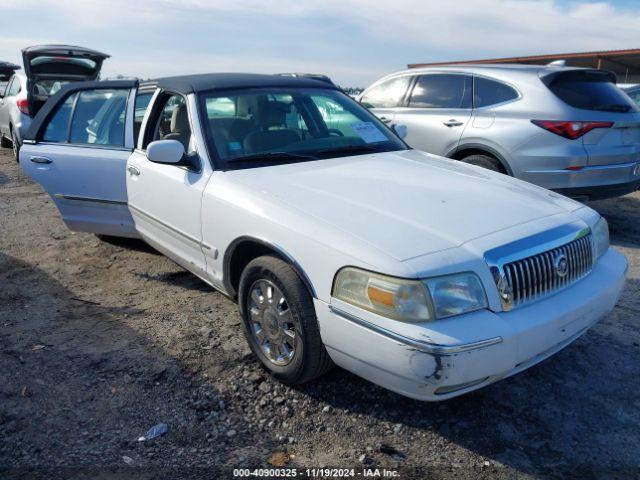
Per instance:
(280,321)
(485,161)
(15,145)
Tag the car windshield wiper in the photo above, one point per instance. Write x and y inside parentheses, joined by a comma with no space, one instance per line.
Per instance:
(348,149)
(613,108)
(272,156)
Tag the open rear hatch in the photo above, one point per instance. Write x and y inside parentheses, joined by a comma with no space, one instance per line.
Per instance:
(6,70)
(49,67)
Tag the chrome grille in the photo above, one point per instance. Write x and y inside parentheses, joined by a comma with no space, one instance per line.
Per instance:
(532,277)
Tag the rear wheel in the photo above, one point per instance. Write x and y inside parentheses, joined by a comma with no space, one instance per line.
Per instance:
(485,161)
(15,145)
(280,321)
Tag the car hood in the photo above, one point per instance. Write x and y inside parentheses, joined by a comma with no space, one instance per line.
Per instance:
(405,203)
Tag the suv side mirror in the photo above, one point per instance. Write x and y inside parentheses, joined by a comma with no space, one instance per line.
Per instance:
(400,129)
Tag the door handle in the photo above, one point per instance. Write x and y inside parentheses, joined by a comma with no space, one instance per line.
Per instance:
(452,123)
(41,160)
(385,120)
(133,170)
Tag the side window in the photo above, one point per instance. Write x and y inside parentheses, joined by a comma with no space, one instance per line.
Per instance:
(14,87)
(99,117)
(442,91)
(141,105)
(173,123)
(490,92)
(387,94)
(57,129)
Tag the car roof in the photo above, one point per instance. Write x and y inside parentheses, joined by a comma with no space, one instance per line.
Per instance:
(502,68)
(186,84)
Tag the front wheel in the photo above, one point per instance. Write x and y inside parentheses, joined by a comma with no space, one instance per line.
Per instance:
(280,321)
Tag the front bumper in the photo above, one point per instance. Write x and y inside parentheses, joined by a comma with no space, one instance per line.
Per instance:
(473,350)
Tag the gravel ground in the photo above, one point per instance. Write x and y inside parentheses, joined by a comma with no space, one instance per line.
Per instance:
(100,341)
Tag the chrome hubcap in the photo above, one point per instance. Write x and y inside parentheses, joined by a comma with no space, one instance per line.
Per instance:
(272,323)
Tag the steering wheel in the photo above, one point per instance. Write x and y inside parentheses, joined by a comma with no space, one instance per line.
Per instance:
(335,132)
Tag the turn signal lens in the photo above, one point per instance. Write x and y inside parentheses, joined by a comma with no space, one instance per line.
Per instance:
(570,130)
(397,298)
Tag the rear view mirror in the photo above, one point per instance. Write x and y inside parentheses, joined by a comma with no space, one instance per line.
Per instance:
(166,151)
(401,130)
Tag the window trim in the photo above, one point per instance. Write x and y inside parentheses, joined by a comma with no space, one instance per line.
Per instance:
(415,82)
(494,105)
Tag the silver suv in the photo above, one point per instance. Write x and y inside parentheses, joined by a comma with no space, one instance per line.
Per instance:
(46,69)
(567,129)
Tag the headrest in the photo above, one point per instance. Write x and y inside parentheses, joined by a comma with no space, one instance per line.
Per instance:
(271,114)
(180,119)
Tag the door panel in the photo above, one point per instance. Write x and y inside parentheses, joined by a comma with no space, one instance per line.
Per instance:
(166,200)
(86,177)
(437,113)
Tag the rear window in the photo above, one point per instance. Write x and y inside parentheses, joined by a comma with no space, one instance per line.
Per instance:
(590,90)
(63,65)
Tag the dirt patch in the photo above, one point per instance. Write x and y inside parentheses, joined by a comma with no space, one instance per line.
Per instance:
(100,341)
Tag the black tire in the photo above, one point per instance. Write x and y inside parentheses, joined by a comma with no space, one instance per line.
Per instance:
(310,358)
(15,145)
(485,161)
(4,142)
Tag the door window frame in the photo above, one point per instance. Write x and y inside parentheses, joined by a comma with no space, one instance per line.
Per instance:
(151,121)
(128,132)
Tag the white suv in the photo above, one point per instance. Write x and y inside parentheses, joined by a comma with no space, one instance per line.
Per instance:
(567,129)
(340,244)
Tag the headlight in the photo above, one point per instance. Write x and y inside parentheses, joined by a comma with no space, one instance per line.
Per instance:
(601,237)
(396,298)
(456,294)
(410,300)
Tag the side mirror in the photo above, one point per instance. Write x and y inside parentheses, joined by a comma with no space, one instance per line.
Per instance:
(400,129)
(166,151)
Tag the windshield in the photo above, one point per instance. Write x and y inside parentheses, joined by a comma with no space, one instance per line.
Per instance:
(252,127)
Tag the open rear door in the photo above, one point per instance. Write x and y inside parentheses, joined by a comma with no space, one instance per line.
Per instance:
(77,148)
(49,67)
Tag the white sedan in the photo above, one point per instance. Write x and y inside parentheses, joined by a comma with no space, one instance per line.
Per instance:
(341,245)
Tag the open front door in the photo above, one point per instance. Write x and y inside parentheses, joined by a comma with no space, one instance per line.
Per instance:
(77,148)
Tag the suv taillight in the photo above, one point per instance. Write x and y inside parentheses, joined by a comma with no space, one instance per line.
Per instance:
(570,130)
(23,105)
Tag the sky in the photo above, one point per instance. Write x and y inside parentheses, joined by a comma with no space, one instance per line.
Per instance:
(353,41)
